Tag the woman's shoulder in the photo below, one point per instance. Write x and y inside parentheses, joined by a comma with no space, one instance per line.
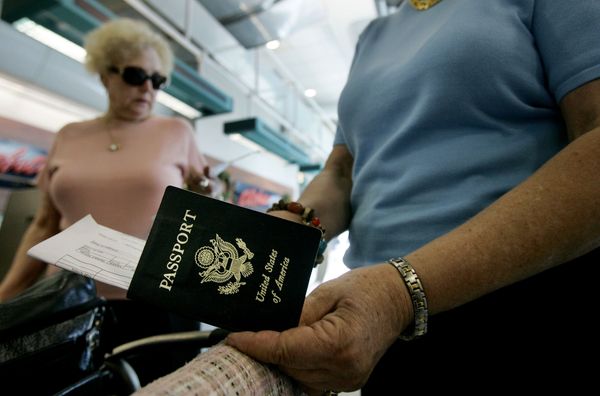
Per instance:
(177,123)
(79,127)
(71,135)
(173,126)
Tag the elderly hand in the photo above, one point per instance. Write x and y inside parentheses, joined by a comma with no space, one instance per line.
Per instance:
(346,326)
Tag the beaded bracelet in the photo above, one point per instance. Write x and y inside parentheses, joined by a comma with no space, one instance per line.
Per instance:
(308,218)
(417,296)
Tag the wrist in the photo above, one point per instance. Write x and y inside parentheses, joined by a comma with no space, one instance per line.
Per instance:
(284,214)
(307,217)
(413,287)
(398,300)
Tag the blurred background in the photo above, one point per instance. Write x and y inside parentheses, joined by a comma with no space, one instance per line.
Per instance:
(258,79)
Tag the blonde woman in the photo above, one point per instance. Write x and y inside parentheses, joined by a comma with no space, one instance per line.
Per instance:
(116,166)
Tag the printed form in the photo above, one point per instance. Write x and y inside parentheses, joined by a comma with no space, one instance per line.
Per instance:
(93,250)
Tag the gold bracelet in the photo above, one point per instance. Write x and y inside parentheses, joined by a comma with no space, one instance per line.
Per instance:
(417,295)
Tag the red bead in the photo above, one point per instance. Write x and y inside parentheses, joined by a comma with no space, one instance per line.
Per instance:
(295,207)
(315,221)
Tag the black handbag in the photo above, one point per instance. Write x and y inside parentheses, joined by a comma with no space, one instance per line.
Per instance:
(50,335)
(55,340)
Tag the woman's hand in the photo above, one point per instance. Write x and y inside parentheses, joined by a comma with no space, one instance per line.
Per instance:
(346,326)
(205,184)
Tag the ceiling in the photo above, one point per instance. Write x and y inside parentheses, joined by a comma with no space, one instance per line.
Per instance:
(317,37)
(319,52)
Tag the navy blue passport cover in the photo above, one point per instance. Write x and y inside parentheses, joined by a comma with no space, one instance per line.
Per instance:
(225,265)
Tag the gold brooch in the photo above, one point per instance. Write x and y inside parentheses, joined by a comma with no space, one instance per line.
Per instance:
(423,5)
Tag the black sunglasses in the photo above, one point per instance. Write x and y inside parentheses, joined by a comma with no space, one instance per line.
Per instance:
(137,76)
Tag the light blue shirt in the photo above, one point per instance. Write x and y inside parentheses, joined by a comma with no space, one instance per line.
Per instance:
(445,110)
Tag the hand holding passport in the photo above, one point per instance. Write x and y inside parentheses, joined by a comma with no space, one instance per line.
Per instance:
(218,263)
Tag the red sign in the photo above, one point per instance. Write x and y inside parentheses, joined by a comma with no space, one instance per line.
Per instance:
(19,163)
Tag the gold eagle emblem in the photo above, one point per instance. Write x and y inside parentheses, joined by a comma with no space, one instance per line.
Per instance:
(221,262)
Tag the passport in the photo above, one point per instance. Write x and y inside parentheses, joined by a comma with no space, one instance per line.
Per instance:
(225,265)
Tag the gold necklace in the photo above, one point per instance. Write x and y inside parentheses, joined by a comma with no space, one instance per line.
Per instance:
(113,146)
(423,5)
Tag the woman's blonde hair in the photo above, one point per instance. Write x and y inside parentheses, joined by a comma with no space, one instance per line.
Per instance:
(119,40)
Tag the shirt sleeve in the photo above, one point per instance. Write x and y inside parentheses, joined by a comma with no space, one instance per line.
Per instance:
(568,40)
(339,137)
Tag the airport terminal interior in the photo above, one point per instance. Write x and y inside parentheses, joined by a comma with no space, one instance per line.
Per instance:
(258,80)
(298,197)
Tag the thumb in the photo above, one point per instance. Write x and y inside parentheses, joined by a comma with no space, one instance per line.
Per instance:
(318,304)
(262,346)
(288,348)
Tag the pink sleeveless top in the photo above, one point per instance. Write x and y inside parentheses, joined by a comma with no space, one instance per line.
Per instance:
(123,189)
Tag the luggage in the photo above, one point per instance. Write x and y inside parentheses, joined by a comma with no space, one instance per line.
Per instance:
(55,339)
(50,335)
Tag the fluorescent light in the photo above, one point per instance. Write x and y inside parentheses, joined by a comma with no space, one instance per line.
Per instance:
(51,39)
(301,178)
(273,44)
(237,137)
(19,100)
(269,138)
(310,93)
(74,51)
(244,141)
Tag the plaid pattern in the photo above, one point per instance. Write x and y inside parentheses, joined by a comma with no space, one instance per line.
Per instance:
(223,370)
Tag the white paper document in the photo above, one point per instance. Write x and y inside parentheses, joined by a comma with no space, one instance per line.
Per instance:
(93,250)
